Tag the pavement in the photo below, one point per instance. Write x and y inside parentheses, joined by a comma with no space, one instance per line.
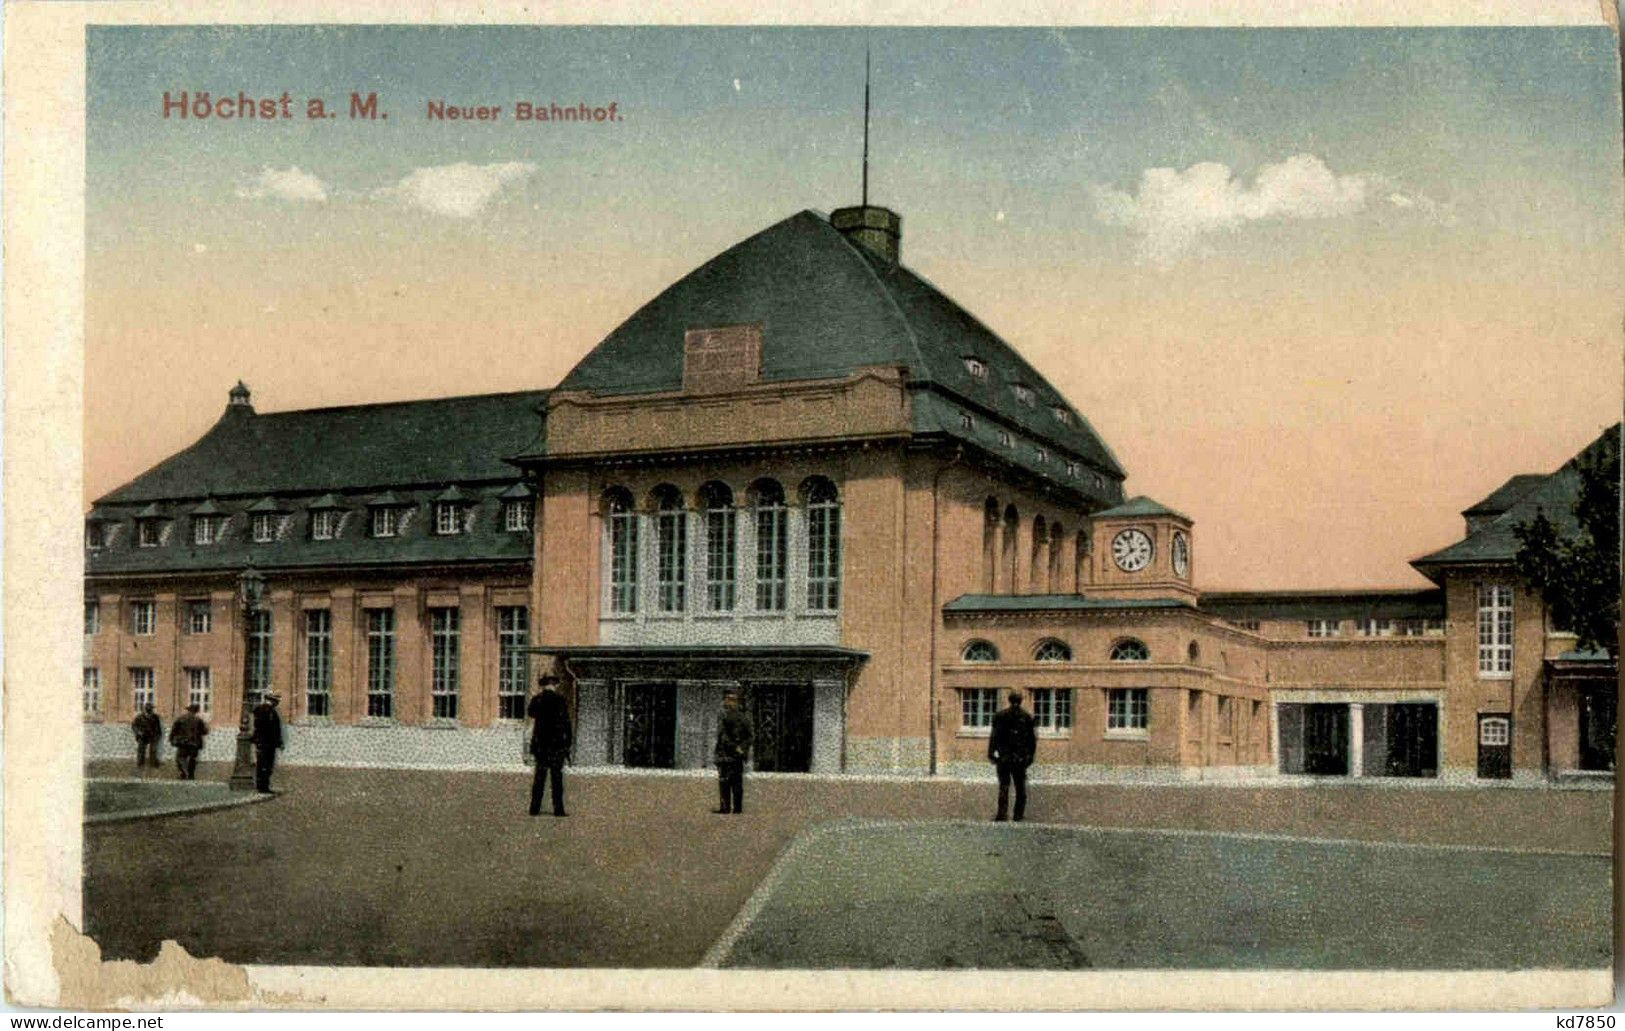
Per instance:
(435,868)
(109,800)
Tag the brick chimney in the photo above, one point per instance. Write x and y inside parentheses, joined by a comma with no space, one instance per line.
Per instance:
(875,229)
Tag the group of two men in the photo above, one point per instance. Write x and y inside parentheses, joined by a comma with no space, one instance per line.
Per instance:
(187,735)
(552,738)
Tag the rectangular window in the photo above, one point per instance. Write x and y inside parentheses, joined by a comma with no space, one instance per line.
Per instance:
(513,663)
(91,695)
(1324,627)
(324,524)
(206,529)
(1494,630)
(823,556)
(264,527)
(1127,709)
(200,689)
(384,521)
(381,663)
(149,533)
(143,618)
(671,559)
(1247,624)
(259,656)
(143,687)
(623,561)
(977,706)
(199,617)
(443,631)
(95,535)
(1052,708)
(318,663)
(448,518)
(772,557)
(721,559)
(516,515)
(1221,717)
(1372,627)
(93,617)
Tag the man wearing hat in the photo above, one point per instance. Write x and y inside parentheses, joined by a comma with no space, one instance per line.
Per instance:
(550,742)
(1010,748)
(149,733)
(267,741)
(733,748)
(187,738)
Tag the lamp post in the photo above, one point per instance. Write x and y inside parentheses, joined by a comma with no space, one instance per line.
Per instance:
(250,591)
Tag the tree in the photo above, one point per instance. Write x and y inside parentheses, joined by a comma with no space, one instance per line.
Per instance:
(1578,575)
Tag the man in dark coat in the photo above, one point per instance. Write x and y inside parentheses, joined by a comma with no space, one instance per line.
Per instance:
(1010,748)
(187,738)
(550,742)
(267,741)
(733,748)
(149,731)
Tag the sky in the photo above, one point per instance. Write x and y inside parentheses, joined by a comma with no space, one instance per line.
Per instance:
(1319,289)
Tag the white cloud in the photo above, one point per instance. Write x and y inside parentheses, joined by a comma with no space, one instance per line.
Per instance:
(283,184)
(460,190)
(1173,210)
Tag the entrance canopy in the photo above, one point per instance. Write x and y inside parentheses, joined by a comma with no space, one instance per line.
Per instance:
(704,661)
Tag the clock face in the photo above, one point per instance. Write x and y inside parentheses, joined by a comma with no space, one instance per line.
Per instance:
(1131,550)
(1182,554)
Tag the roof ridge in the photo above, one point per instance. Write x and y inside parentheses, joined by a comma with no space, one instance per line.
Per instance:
(880,284)
(401,402)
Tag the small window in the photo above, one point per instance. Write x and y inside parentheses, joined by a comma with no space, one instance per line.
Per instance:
(1323,627)
(967,421)
(1372,627)
(1130,650)
(1024,393)
(448,518)
(1052,709)
(93,617)
(1494,730)
(976,367)
(1193,654)
(980,651)
(95,535)
(324,524)
(1052,651)
(1041,454)
(1246,624)
(386,521)
(1005,439)
(199,617)
(143,618)
(1062,415)
(91,692)
(977,706)
(264,527)
(1127,709)
(1072,468)
(516,515)
(206,529)
(149,533)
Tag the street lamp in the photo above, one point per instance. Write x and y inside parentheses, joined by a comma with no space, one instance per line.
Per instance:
(250,592)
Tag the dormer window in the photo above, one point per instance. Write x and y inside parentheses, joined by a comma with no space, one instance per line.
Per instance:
(1042,455)
(385,521)
(976,367)
(1062,415)
(324,524)
(448,518)
(967,421)
(516,515)
(206,529)
(95,535)
(149,533)
(264,527)
(1024,393)
(1072,468)
(1004,438)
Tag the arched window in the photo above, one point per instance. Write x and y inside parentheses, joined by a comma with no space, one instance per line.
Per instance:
(1012,526)
(721,547)
(1130,650)
(1035,567)
(1194,652)
(671,549)
(990,546)
(1080,562)
(772,545)
(621,525)
(1056,536)
(823,544)
(980,651)
(1052,650)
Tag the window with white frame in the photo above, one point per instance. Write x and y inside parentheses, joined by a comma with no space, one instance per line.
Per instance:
(516,515)
(823,546)
(143,687)
(721,548)
(199,616)
(386,521)
(1072,468)
(1323,627)
(318,663)
(1062,415)
(1420,627)
(1130,650)
(200,689)
(143,618)
(1005,439)
(448,518)
(976,367)
(206,529)
(1494,630)
(95,534)
(967,421)
(671,550)
(1128,709)
(980,651)
(91,692)
(149,533)
(1024,393)
(324,524)
(1052,651)
(622,527)
(93,617)
(381,663)
(977,706)
(444,624)
(1052,709)
(772,547)
(1494,730)
(259,656)
(264,527)
(1373,627)
(513,662)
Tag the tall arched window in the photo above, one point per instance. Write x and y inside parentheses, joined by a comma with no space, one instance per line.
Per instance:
(671,549)
(1035,566)
(990,546)
(1080,561)
(823,544)
(772,545)
(1056,536)
(1012,526)
(621,525)
(721,548)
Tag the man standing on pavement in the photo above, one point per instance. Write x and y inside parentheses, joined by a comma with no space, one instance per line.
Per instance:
(187,738)
(267,741)
(733,748)
(149,731)
(1010,748)
(550,742)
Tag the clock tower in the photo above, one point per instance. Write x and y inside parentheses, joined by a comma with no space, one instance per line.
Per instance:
(1142,549)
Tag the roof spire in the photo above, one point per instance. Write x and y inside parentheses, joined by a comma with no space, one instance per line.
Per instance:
(866,125)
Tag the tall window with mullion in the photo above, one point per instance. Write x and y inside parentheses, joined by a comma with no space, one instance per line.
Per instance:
(621,525)
(259,656)
(319,663)
(444,623)
(721,547)
(823,544)
(513,663)
(772,545)
(1494,630)
(1127,709)
(977,706)
(381,663)
(1052,709)
(671,549)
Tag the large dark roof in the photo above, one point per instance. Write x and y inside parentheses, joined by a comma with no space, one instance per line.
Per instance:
(1503,496)
(1495,540)
(827,307)
(1427,603)
(442,440)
